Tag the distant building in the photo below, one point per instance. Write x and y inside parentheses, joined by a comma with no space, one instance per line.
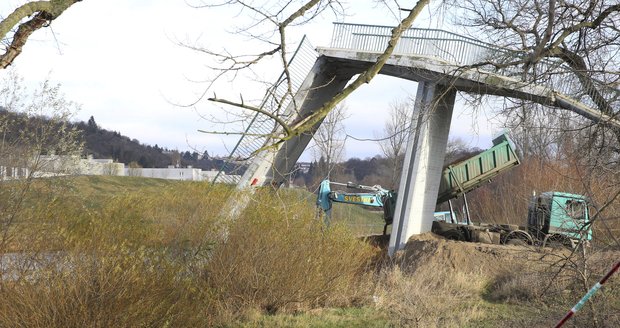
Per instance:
(60,165)
(74,165)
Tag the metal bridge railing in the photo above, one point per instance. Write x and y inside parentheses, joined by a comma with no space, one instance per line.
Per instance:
(424,42)
(277,100)
(464,51)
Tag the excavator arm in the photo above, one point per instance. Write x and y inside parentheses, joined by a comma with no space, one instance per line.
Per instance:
(374,196)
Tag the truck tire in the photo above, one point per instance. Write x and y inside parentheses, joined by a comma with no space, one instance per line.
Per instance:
(518,237)
(454,234)
(441,228)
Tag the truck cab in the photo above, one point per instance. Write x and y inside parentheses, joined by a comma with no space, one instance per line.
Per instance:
(559,217)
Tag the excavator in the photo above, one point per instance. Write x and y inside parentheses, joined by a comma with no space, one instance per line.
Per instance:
(457,179)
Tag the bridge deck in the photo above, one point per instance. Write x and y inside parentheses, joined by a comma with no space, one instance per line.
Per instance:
(472,80)
(462,51)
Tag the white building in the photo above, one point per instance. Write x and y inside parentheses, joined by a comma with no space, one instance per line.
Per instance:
(58,165)
(74,165)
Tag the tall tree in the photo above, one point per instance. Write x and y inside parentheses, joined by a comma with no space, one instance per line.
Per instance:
(554,41)
(92,125)
(581,38)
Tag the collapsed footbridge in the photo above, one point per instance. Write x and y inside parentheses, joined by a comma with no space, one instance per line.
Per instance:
(442,63)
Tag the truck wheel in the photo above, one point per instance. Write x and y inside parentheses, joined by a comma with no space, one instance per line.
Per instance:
(454,234)
(518,237)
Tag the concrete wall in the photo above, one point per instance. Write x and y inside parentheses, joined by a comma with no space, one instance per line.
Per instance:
(9,172)
(172,173)
(189,174)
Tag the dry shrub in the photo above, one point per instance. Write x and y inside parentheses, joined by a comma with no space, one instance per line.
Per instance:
(116,286)
(113,264)
(280,258)
(177,216)
(152,259)
(431,296)
(538,276)
(556,283)
(603,309)
(108,260)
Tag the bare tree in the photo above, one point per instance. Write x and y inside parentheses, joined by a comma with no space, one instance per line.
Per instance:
(34,131)
(16,28)
(273,19)
(329,140)
(545,133)
(396,131)
(552,41)
(550,36)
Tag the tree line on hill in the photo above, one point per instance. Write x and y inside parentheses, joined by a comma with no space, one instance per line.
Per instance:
(102,143)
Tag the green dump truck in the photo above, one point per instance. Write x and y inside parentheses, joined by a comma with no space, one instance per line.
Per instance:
(466,175)
(554,219)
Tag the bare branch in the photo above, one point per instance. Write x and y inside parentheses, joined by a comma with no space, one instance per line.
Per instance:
(274,117)
(44,13)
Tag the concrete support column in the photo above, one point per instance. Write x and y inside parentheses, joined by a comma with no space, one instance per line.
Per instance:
(423,164)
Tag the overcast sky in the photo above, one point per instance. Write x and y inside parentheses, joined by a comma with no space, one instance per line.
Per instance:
(121,61)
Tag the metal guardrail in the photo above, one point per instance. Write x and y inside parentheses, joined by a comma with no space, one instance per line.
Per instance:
(464,51)
(277,100)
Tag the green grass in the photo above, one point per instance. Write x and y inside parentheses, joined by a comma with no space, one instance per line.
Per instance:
(102,186)
(512,315)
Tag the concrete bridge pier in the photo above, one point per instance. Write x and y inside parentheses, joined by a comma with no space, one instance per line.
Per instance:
(423,164)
